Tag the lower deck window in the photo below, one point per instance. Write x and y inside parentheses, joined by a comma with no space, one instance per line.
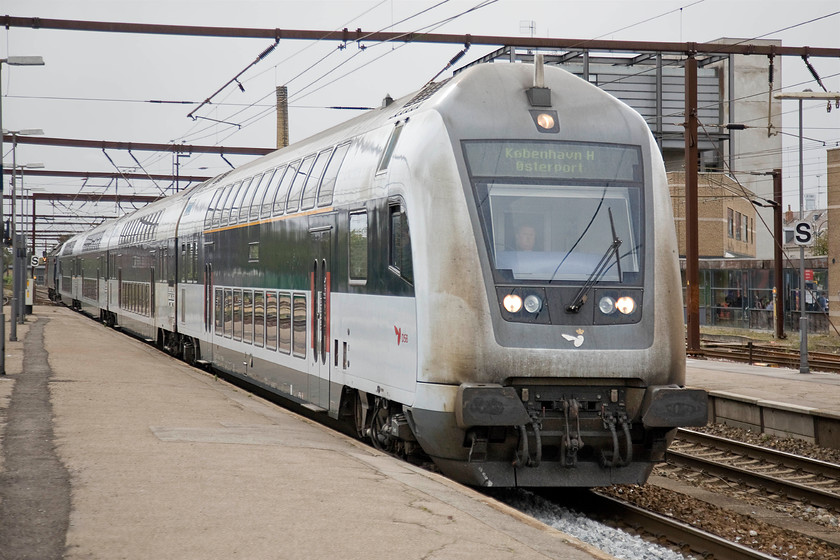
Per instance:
(228,313)
(299,327)
(259,318)
(284,320)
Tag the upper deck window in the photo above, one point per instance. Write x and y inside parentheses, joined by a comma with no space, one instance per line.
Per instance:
(389,149)
(310,190)
(297,184)
(325,194)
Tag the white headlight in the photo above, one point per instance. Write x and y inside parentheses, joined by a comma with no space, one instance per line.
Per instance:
(512,303)
(626,305)
(533,304)
(607,305)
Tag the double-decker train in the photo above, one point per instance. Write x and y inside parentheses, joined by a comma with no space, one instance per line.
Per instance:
(484,273)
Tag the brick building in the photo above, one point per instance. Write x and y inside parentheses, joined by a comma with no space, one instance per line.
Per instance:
(727,219)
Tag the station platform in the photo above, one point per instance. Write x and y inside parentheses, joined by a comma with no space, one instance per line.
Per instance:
(111,449)
(774,400)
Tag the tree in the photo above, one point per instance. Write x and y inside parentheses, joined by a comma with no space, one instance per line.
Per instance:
(820,247)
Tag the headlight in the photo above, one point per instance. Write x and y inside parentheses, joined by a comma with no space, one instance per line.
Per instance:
(545,121)
(533,304)
(626,305)
(607,305)
(512,303)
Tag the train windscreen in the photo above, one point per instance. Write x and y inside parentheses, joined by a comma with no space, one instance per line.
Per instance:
(559,211)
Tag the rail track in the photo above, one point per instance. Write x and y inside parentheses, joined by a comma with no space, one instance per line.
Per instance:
(685,536)
(752,353)
(799,478)
(783,474)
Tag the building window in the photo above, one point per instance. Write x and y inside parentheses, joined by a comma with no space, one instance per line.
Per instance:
(738,226)
(730,223)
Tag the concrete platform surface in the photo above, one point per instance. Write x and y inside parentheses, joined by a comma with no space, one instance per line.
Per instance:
(111,449)
(817,390)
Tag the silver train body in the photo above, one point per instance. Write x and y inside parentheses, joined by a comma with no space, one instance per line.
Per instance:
(485,273)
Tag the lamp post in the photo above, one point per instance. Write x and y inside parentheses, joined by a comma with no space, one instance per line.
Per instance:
(11,61)
(803,319)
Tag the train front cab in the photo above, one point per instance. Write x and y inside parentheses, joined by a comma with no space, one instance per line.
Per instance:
(575,370)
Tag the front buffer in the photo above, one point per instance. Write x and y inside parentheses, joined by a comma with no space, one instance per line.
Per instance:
(537,434)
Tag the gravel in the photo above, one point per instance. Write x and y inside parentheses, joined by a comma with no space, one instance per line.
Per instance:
(608,539)
(776,541)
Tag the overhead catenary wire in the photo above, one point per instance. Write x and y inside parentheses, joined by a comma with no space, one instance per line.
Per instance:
(301,94)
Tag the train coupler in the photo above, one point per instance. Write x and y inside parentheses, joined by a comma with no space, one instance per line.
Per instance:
(616,460)
(572,440)
(523,456)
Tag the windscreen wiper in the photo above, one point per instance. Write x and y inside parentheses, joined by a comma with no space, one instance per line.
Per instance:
(601,268)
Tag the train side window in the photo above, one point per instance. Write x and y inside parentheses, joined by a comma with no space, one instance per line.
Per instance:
(271,192)
(248,316)
(211,208)
(228,312)
(184,260)
(400,244)
(219,312)
(385,161)
(220,206)
(284,322)
(259,318)
(194,277)
(237,314)
(325,194)
(310,189)
(299,326)
(271,320)
(283,191)
(234,192)
(358,250)
(238,201)
(259,194)
(297,185)
(248,201)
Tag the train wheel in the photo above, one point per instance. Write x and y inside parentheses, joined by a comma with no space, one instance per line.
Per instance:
(188,350)
(361,406)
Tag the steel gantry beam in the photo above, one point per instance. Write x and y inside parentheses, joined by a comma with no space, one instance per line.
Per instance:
(412,37)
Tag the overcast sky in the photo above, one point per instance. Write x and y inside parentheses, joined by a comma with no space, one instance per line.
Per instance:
(98,86)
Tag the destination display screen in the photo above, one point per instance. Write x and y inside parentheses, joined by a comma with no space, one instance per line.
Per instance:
(554,160)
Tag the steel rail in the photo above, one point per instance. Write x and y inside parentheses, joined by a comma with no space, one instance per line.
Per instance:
(795,490)
(789,460)
(676,532)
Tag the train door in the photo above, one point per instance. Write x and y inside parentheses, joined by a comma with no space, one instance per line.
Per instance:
(213,306)
(319,315)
